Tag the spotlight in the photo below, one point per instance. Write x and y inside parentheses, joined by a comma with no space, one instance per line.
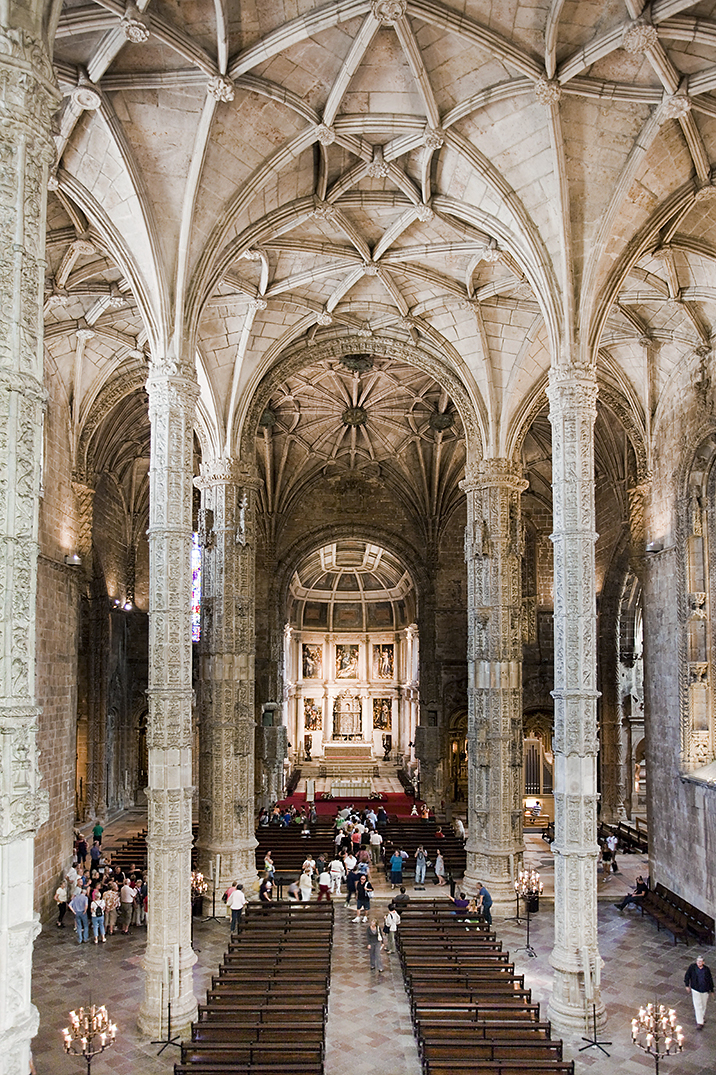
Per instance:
(73,559)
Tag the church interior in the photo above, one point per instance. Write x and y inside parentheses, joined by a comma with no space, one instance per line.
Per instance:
(357,416)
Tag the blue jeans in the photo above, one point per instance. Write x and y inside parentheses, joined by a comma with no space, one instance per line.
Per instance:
(82,924)
(419,873)
(98,925)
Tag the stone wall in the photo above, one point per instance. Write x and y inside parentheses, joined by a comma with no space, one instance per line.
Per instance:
(57,621)
(682,813)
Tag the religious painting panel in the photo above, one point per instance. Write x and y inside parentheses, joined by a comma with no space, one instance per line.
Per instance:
(382,713)
(383,661)
(312,661)
(346,662)
(312,715)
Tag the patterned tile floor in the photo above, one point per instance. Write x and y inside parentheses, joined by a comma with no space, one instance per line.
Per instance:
(369,1024)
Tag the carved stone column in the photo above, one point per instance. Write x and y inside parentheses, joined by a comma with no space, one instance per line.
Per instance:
(226,760)
(494,656)
(172,402)
(28,97)
(572,395)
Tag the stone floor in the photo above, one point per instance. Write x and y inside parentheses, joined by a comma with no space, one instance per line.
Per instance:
(369,1023)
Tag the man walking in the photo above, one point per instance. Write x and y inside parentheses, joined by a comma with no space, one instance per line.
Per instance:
(236,903)
(700,983)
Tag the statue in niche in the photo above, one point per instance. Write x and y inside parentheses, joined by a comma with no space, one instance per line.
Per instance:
(347,721)
(312,662)
(312,716)
(346,662)
(383,662)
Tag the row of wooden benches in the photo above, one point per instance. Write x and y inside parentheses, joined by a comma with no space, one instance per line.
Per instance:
(471,1012)
(265,1011)
(674,914)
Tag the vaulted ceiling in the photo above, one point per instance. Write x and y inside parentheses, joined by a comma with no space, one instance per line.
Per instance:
(496,183)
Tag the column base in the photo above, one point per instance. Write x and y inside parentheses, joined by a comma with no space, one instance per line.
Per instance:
(497,872)
(569,1010)
(15,1043)
(153,1014)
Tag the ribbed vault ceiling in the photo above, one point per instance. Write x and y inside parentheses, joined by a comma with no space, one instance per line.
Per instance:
(489,181)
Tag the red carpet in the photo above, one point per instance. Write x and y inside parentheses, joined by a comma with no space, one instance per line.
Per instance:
(398,804)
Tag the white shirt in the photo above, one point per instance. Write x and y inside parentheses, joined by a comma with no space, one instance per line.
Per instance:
(236,900)
(612,843)
(376,839)
(392,921)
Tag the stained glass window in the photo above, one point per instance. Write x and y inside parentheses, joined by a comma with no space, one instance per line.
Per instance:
(195,588)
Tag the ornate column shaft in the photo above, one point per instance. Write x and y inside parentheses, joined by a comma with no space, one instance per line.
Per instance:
(572,395)
(494,660)
(28,96)
(172,402)
(226,766)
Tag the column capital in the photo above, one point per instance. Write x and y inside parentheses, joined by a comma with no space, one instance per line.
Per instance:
(494,471)
(223,470)
(572,387)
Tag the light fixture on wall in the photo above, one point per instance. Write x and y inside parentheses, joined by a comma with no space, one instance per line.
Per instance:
(73,559)
(127,606)
(655,546)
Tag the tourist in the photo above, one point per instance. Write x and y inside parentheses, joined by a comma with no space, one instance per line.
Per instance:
(111,906)
(81,851)
(459,829)
(349,860)
(363,893)
(269,868)
(402,899)
(97,833)
(266,893)
(126,901)
(374,940)
(78,905)
(612,845)
(421,861)
(236,903)
(305,884)
(440,868)
(699,982)
(635,896)
(396,869)
(324,886)
(391,923)
(61,901)
(382,818)
(375,841)
(337,872)
(351,880)
(97,908)
(461,903)
(485,902)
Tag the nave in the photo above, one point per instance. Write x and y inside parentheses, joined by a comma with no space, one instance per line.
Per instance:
(369,1026)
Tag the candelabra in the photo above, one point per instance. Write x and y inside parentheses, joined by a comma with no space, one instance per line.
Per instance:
(89,1033)
(656,1032)
(529,887)
(198,890)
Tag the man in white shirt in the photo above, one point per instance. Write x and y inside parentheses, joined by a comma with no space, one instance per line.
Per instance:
(337,872)
(126,897)
(612,845)
(349,861)
(375,841)
(236,903)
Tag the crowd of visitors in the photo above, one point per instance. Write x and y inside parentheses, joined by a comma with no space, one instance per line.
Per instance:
(102,898)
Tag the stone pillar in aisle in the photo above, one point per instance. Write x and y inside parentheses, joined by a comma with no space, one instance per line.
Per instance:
(227,723)
(572,396)
(173,393)
(494,739)
(29,96)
